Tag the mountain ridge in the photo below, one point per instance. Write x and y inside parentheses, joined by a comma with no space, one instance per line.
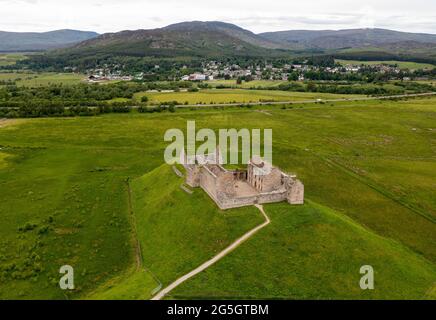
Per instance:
(40,41)
(216,39)
(221,38)
(336,39)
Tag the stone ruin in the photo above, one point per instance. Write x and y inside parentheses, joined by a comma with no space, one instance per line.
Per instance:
(260,183)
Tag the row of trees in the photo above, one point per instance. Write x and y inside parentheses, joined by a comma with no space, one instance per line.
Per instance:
(82,92)
(32,111)
(348,88)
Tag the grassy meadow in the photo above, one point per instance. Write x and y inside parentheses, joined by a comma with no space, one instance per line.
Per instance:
(9,59)
(401,64)
(31,79)
(211,96)
(368,168)
(247,85)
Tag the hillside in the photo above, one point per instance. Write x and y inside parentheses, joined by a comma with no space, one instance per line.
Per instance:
(197,39)
(34,41)
(351,38)
(179,231)
(214,39)
(227,28)
(312,252)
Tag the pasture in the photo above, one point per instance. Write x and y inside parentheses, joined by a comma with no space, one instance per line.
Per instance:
(247,85)
(33,79)
(401,64)
(9,59)
(368,168)
(211,96)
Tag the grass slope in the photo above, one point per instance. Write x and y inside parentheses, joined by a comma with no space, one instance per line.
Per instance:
(179,231)
(133,285)
(312,252)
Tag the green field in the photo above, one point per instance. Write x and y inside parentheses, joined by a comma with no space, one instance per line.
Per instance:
(30,79)
(401,64)
(431,82)
(247,85)
(212,96)
(9,59)
(312,252)
(368,168)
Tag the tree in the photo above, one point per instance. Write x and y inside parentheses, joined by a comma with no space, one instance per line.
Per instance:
(311,87)
(144,99)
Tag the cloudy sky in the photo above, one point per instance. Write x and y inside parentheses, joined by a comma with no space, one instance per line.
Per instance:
(255,15)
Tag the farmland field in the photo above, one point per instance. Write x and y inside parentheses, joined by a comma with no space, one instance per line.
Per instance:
(368,168)
(31,79)
(235,96)
(401,64)
(8,59)
(247,85)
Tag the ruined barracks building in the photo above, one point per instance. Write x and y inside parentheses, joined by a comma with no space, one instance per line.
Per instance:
(260,183)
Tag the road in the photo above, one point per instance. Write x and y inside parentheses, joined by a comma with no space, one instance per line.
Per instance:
(219,256)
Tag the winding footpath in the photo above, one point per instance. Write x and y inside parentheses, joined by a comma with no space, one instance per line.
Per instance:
(219,256)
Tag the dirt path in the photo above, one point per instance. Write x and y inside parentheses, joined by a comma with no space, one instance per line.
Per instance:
(219,256)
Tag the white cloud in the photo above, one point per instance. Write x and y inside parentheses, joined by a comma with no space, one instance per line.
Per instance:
(255,15)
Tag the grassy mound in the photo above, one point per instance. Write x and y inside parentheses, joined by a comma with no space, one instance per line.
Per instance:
(178,231)
(312,252)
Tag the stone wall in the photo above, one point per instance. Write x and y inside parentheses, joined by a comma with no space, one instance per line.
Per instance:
(272,181)
(269,197)
(225,184)
(296,193)
(193,175)
(208,182)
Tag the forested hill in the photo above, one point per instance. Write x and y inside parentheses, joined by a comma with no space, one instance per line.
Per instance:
(196,39)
